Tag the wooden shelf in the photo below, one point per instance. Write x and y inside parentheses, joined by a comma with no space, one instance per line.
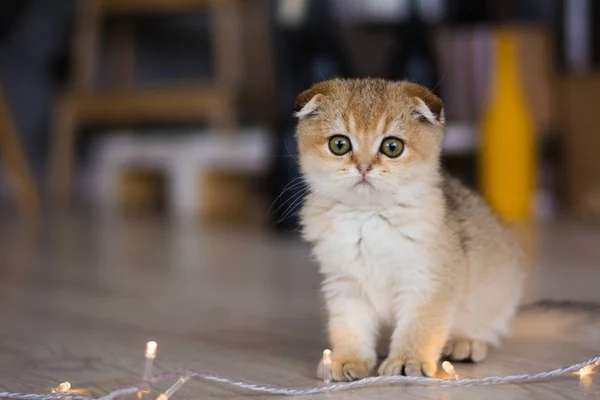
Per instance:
(169,103)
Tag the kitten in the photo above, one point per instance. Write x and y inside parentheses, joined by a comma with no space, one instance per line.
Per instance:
(402,247)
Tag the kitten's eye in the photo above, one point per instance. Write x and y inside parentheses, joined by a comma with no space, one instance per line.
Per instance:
(392,147)
(339,145)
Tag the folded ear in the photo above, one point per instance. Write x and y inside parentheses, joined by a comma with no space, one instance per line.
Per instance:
(308,102)
(427,106)
(430,112)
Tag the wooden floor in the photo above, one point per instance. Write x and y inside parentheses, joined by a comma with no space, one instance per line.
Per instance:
(80,297)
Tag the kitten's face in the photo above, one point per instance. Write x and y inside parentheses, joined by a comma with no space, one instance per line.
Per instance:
(366,142)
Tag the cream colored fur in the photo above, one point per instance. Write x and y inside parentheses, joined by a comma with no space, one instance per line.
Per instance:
(409,254)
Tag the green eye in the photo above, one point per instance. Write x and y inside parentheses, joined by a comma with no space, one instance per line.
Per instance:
(392,147)
(339,145)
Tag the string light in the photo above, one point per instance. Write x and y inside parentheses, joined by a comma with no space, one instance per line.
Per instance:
(150,354)
(176,386)
(584,375)
(141,393)
(326,363)
(588,369)
(62,388)
(449,369)
(127,391)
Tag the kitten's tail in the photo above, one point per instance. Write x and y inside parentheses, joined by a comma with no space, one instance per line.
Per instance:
(558,320)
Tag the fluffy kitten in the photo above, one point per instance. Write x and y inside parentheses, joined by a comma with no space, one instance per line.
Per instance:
(403,248)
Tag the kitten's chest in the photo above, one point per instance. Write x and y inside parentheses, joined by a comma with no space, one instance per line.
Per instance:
(371,246)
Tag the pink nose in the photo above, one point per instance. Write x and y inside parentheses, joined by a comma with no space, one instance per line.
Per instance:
(364,168)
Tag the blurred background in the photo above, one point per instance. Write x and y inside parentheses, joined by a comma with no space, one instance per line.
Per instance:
(148,148)
(182,109)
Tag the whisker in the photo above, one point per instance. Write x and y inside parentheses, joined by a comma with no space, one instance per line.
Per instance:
(294,183)
(296,200)
(291,208)
(300,193)
(288,151)
(439,83)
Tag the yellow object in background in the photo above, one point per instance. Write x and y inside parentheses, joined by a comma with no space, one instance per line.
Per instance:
(508,158)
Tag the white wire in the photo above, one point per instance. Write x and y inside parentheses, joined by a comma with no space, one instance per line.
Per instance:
(333,387)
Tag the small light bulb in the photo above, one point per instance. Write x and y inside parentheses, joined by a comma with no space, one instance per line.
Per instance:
(588,369)
(326,361)
(449,369)
(150,354)
(151,348)
(62,388)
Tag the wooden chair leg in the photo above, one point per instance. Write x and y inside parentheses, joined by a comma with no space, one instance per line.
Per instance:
(62,136)
(16,165)
(86,42)
(122,43)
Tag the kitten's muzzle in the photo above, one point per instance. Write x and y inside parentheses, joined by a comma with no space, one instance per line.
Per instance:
(364,181)
(364,169)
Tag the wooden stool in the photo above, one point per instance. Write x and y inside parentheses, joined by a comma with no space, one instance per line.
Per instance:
(203,174)
(213,102)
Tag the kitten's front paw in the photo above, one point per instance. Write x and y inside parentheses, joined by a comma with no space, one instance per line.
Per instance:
(407,366)
(465,350)
(346,369)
